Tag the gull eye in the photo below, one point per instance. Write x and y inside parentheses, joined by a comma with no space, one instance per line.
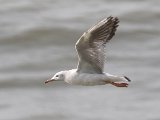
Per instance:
(56,75)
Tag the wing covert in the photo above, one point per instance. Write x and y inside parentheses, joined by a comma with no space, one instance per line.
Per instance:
(91,45)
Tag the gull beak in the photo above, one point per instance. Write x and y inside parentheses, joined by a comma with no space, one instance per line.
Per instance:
(49,80)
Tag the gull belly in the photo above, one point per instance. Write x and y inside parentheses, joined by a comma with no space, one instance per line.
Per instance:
(86,79)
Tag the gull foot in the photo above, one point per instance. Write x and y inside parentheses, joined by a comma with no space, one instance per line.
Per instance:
(119,84)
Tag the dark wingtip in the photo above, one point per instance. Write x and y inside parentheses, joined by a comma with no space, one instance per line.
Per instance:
(113,24)
(127,79)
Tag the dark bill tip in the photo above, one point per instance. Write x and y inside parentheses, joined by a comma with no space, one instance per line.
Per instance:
(129,80)
(47,81)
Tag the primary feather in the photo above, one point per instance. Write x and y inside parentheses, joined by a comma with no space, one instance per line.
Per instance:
(91,45)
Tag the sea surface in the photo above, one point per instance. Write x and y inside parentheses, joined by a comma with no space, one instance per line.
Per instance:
(37,39)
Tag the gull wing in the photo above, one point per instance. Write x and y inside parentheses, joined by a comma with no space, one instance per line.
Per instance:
(91,45)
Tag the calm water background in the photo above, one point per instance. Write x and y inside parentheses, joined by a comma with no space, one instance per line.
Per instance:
(37,39)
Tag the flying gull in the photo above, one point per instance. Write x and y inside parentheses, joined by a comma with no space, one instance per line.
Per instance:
(91,53)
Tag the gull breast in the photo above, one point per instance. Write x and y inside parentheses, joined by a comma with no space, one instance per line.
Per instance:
(85,79)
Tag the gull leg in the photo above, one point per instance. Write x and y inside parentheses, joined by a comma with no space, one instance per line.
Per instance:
(119,84)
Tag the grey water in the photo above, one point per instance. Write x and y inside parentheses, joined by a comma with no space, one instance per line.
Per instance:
(37,39)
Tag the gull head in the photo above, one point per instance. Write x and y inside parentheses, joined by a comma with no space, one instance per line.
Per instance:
(57,77)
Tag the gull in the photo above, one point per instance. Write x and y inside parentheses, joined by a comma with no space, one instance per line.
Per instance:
(91,53)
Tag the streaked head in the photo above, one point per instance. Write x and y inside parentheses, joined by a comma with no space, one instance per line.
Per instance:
(57,77)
